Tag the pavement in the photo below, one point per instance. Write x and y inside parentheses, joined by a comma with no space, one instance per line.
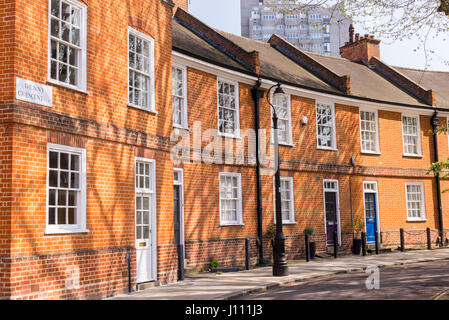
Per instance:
(235,285)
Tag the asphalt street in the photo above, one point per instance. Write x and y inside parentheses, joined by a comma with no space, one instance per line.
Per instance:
(419,281)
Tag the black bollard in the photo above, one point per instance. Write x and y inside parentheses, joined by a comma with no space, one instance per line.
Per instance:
(376,239)
(128,261)
(429,240)
(335,244)
(402,239)
(307,247)
(247,254)
(363,243)
(180,248)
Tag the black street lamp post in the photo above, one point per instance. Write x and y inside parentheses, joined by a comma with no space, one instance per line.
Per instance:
(280,267)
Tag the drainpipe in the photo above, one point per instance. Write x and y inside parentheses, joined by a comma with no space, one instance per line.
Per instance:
(350,196)
(435,123)
(258,94)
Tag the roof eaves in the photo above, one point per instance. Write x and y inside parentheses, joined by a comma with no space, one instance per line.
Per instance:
(296,85)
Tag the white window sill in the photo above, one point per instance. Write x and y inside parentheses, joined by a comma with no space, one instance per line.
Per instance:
(55,231)
(142,108)
(66,86)
(231,224)
(371,153)
(285,144)
(327,149)
(227,135)
(410,155)
(416,220)
(287,222)
(181,127)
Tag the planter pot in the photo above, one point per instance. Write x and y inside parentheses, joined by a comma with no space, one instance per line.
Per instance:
(312,248)
(356,246)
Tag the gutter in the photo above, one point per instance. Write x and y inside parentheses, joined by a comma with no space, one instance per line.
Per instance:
(258,94)
(435,123)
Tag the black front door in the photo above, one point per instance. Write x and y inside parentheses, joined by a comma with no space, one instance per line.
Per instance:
(331,216)
(177,228)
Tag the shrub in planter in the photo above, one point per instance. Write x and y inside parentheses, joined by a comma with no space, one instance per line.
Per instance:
(312,245)
(357,228)
(356,246)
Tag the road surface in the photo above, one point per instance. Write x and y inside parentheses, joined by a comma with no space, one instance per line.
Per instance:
(420,281)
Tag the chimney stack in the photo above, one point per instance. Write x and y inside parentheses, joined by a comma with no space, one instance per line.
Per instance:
(360,48)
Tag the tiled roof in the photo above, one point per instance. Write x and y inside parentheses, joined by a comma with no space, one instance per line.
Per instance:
(365,82)
(436,80)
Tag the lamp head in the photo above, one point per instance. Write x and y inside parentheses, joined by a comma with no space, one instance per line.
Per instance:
(278,92)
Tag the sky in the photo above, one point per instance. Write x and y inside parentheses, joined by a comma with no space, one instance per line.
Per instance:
(225,15)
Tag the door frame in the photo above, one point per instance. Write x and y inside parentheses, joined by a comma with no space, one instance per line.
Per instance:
(181,209)
(336,190)
(152,163)
(377,204)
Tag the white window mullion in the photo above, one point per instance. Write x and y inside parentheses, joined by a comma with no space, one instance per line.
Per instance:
(179,74)
(230,192)
(411,135)
(66,189)
(415,201)
(287,200)
(369,133)
(283,111)
(141,70)
(228,108)
(67,43)
(325,119)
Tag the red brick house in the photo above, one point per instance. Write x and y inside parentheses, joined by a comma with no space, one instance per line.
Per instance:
(88,129)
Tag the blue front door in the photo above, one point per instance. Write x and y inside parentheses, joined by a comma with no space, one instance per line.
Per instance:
(371,216)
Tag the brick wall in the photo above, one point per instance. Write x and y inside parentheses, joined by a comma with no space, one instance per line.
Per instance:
(35,265)
(309,167)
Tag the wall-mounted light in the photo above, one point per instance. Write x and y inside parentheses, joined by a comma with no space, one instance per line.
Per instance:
(304,121)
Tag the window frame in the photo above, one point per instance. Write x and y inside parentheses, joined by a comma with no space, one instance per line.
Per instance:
(423,216)
(239,221)
(81,216)
(418,129)
(152,95)
(289,133)
(236,133)
(334,129)
(184,112)
(82,69)
(291,219)
(377,142)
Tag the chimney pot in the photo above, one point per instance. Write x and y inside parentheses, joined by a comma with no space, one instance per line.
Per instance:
(351,33)
(361,50)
